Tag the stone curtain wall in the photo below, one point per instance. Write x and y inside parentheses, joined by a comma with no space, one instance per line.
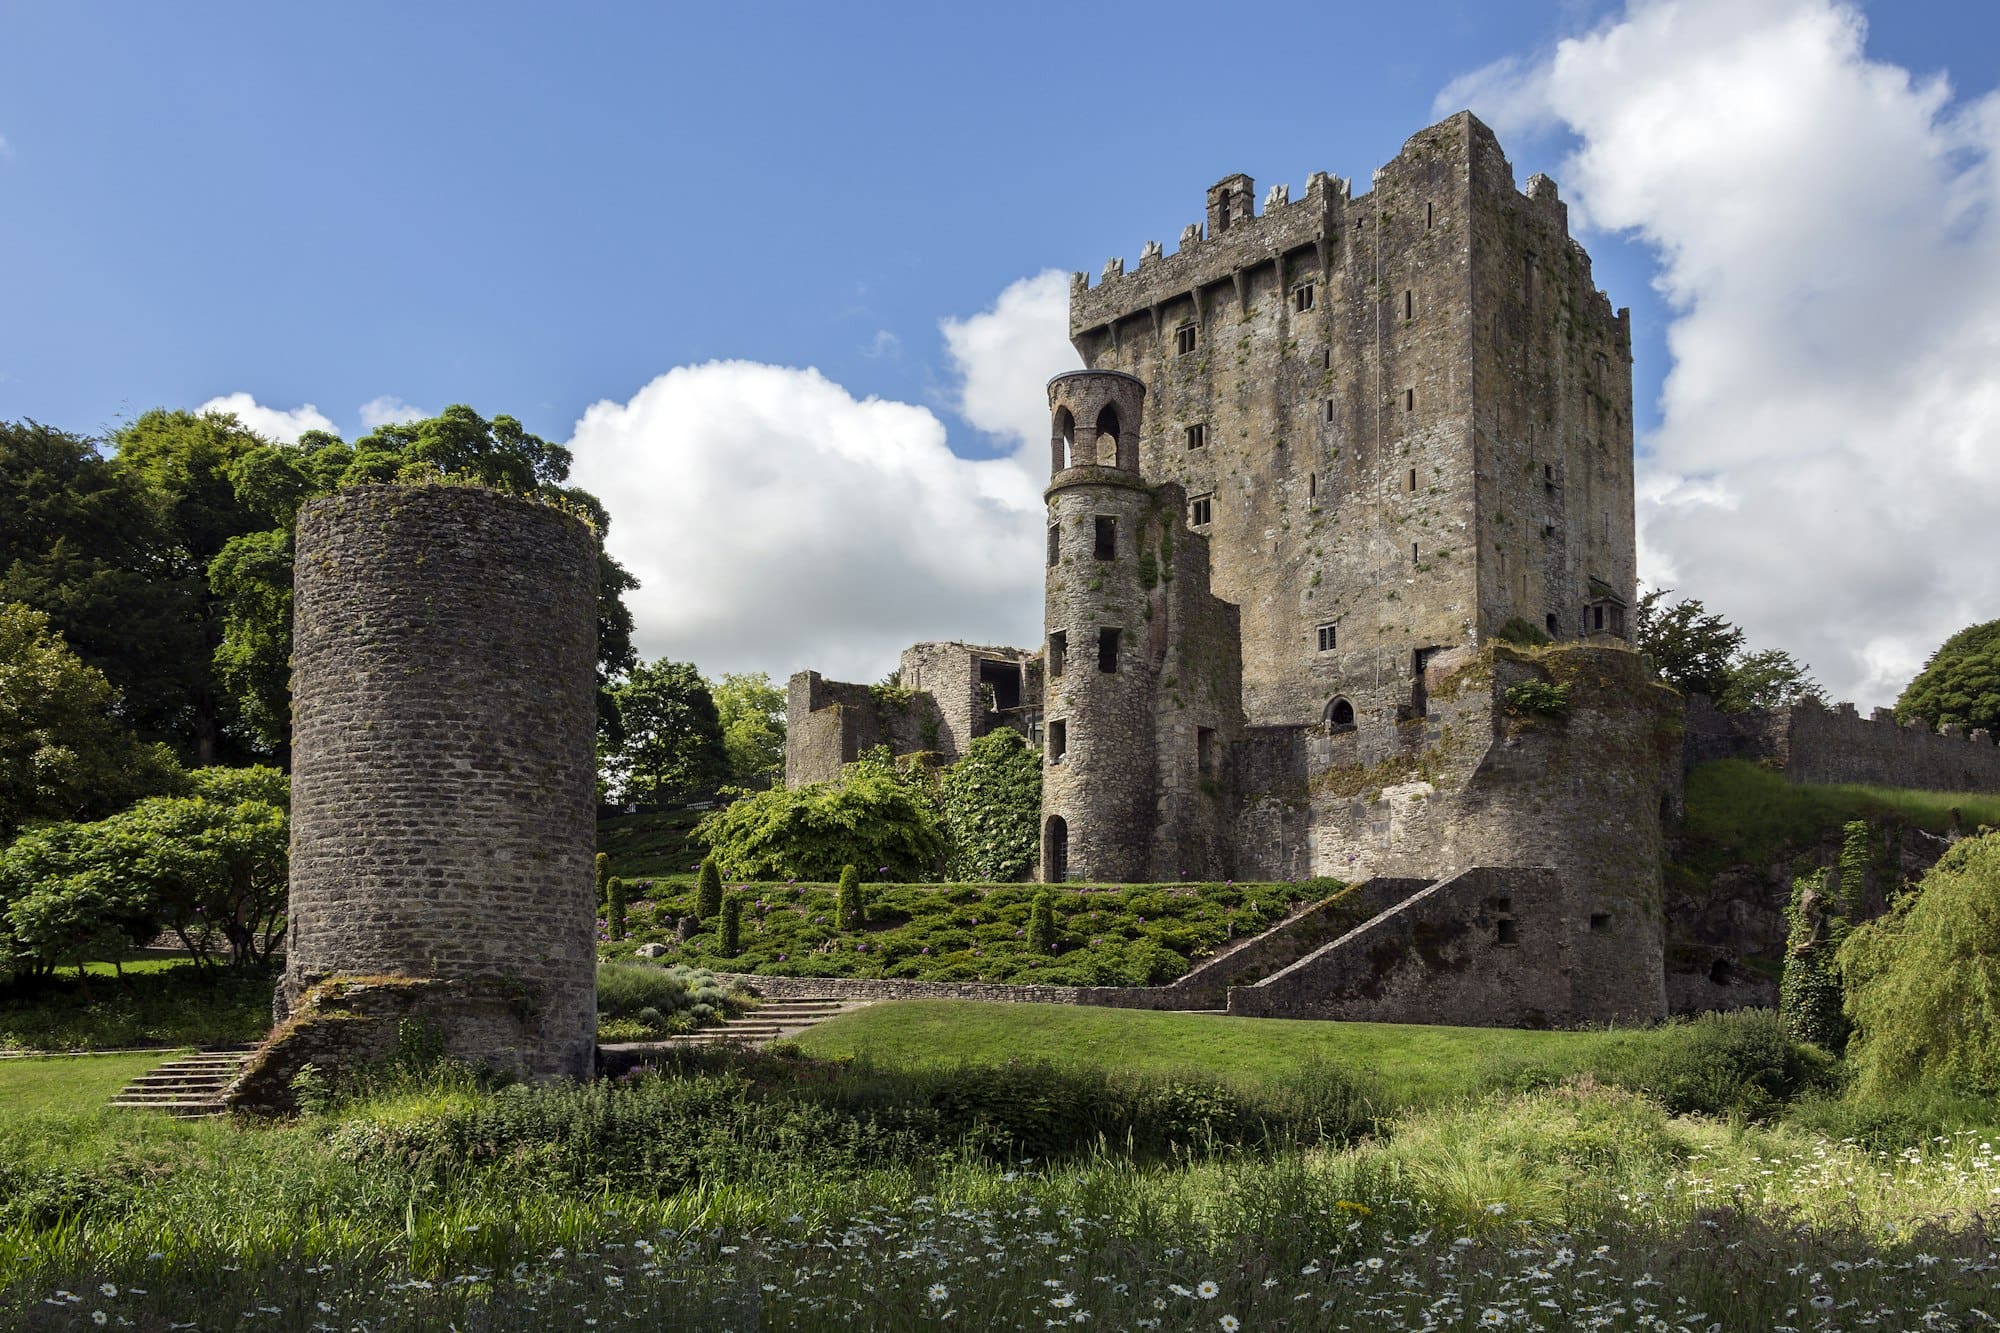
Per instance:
(1814,744)
(834,722)
(444,727)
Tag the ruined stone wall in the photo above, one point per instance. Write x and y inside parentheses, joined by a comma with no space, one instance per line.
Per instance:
(1583,794)
(1838,745)
(1486,948)
(951,674)
(830,723)
(444,765)
(1273,820)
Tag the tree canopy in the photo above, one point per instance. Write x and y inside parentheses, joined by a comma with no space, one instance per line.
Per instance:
(672,746)
(752,711)
(169,564)
(1699,651)
(64,752)
(992,807)
(1960,683)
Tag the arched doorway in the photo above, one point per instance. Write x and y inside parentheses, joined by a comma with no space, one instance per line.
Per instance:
(1055,850)
(1339,716)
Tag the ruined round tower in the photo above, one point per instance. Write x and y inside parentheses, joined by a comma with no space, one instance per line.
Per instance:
(1098,756)
(443,807)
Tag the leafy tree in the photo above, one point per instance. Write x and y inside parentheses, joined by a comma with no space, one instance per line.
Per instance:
(1960,683)
(866,818)
(992,809)
(59,905)
(752,711)
(64,754)
(672,750)
(84,542)
(1700,652)
(1691,647)
(1923,982)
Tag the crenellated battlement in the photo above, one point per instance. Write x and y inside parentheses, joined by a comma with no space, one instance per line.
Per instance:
(1814,743)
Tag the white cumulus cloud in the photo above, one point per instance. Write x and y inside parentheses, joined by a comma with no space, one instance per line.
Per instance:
(778,522)
(271,422)
(1828,234)
(389,410)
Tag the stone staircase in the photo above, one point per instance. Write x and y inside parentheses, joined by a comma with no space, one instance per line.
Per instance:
(190,1086)
(772,1020)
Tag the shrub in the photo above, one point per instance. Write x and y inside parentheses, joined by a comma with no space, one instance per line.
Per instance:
(1742,1062)
(614,910)
(652,1001)
(604,879)
(1809,991)
(732,926)
(1517,630)
(867,818)
(1538,698)
(708,890)
(849,911)
(1042,924)
(1923,983)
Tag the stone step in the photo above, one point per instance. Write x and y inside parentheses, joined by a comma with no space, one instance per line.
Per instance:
(190,1086)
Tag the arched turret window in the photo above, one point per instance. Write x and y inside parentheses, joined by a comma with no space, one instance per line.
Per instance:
(1062,440)
(1339,716)
(1107,435)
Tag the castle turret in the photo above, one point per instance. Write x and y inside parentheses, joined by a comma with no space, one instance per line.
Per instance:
(1097,775)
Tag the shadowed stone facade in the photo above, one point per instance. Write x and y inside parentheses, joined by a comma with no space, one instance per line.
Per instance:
(443,811)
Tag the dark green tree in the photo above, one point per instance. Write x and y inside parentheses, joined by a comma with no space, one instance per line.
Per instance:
(866,818)
(708,890)
(64,752)
(1042,924)
(1960,683)
(732,926)
(1772,678)
(59,907)
(848,910)
(603,868)
(672,750)
(1691,647)
(614,908)
(992,809)
(752,711)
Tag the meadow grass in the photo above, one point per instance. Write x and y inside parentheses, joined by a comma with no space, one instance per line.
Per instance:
(169,1005)
(66,1085)
(1404,1063)
(652,846)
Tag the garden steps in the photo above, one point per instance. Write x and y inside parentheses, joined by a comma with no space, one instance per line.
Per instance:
(192,1086)
(772,1021)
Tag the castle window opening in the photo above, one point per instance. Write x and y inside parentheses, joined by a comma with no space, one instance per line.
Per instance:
(1524,585)
(1720,973)
(1004,679)
(1107,651)
(1204,751)
(1055,850)
(1329,638)
(1062,441)
(1302,297)
(1413,480)
(1312,485)
(1597,617)
(1504,903)
(1600,923)
(1409,400)
(1200,510)
(1107,537)
(1327,410)
(1055,544)
(1197,435)
(1326,359)
(1107,435)
(1429,215)
(1409,305)
(1549,529)
(1506,932)
(1413,553)
(1184,340)
(1339,716)
(1058,650)
(1058,740)
(1551,622)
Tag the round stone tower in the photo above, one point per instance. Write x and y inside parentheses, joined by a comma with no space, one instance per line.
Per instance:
(443,781)
(1099,752)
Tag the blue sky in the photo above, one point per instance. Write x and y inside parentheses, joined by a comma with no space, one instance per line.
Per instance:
(536,209)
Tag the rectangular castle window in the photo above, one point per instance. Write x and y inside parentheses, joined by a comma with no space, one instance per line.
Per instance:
(1413,553)
(1413,480)
(1197,435)
(1327,410)
(1506,932)
(1302,297)
(1107,537)
(1409,307)
(1107,651)
(1200,510)
(1329,638)
(1429,216)
(1600,923)
(1326,359)
(1204,751)
(1409,400)
(1055,544)
(1058,650)
(1312,485)
(1184,340)
(1058,740)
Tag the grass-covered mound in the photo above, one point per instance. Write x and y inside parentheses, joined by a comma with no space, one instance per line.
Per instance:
(651,846)
(154,1003)
(1108,935)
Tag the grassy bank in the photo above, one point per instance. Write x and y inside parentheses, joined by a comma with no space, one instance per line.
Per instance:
(652,846)
(157,1003)
(66,1085)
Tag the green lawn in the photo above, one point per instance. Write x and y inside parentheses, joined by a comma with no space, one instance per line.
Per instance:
(66,1085)
(1407,1063)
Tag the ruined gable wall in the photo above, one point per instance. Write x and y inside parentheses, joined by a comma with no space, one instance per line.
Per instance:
(830,723)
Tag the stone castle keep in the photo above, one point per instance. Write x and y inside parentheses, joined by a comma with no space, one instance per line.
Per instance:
(1328,464)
